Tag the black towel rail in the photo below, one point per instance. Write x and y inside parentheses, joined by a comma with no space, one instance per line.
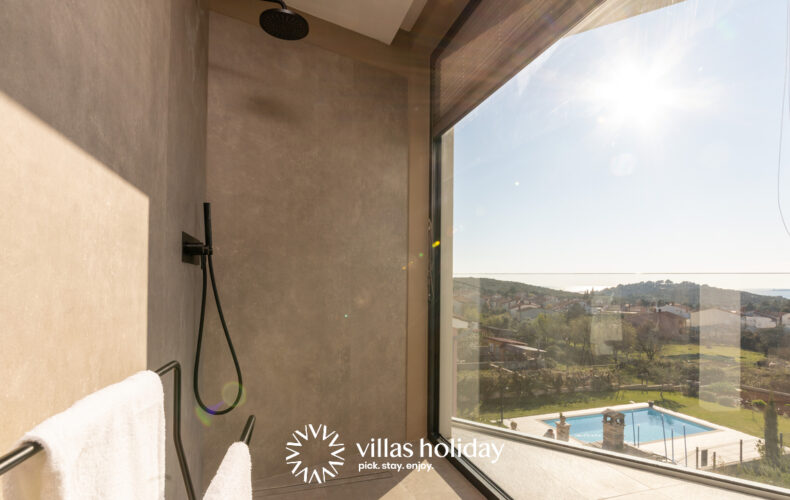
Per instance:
(27,450)
(182,459)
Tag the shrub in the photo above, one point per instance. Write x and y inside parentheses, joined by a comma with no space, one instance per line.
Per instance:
(555,352)
(599,384)
(759,404)
(691,388)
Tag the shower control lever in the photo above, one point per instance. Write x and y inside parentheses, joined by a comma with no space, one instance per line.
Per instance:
(192,248)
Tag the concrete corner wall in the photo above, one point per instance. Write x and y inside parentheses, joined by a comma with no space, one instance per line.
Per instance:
(102,165)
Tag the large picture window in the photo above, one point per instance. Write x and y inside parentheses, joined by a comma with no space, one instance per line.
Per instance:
(615,262)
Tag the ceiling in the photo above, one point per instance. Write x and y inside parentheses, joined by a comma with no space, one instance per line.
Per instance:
(377,19)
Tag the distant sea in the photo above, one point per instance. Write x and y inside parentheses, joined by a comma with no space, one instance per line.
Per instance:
(762,284)
(773,292)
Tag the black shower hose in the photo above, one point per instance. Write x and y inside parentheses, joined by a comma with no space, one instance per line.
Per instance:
(235,403)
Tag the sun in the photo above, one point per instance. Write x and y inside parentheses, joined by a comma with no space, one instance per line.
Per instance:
(632,94)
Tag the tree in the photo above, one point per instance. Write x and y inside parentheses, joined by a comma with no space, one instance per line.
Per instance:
(617,346)
(629,337)
(555,352)
(468,395)
(573,382)
(574,311)
(471,312)
(501,382)
(750,340)
(550,327)
(469,347)
(769,339)
(557,384)
(647,341)
(526,332)
(626,341)
(579,333)
(771,445)
(524,384)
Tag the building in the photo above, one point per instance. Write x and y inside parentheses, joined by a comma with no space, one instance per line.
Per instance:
(717,325)
(502,349)
(714,317)
(757,322)
(677,310)
(527,311)
(670,326)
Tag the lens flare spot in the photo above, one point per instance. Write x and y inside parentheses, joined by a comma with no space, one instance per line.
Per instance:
(421,255)
(204,417)
(435,244)
(230,391)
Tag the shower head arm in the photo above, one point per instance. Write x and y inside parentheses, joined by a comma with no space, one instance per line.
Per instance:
(282,4)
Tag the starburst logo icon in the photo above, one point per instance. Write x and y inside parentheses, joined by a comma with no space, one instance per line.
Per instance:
(323,437)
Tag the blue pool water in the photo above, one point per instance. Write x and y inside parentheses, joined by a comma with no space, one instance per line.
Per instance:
(589,428)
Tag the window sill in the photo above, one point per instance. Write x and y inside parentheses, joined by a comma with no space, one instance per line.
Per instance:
(532,466)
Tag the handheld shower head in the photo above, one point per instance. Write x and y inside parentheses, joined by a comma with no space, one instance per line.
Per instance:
(283,23)
(207,223)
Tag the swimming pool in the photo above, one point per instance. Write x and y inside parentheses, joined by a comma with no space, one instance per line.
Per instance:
(648,421)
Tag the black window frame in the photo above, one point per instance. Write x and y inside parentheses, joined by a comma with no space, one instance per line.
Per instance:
(486,485)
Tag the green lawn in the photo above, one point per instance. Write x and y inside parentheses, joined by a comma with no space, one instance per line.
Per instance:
(748,421)
(776,474)
(692,350)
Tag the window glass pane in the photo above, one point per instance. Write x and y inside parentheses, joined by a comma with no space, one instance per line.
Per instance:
(614,246)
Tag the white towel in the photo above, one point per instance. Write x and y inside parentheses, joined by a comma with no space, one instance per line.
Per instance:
(108,445)
(234,476)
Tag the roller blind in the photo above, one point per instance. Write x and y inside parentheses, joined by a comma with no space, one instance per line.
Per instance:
(490,42)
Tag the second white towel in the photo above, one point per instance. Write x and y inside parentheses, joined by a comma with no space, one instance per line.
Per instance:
(234,476)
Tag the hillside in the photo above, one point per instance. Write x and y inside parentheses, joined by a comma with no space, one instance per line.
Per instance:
(646,292)
(489,286)
(689,293)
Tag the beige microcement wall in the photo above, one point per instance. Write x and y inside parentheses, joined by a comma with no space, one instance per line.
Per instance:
(102,165)
(408,58)
(318,163)
(309,157)
(68,327)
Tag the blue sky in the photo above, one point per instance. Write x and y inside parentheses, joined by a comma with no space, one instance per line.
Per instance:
(645,146)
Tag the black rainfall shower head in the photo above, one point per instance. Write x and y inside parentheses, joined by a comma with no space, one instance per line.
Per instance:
(283,23)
